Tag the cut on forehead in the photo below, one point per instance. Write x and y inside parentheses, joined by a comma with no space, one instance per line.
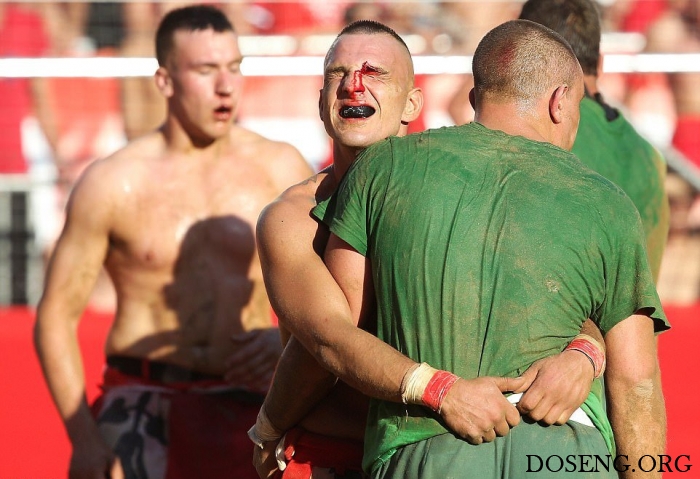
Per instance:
(520,60)
(378,49)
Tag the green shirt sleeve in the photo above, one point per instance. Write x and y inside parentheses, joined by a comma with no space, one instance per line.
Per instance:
(347,213)
(629,286)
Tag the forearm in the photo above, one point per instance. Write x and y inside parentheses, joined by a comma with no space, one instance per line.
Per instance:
(292,394)
(635,398)
(358,358)
(59,355)
(638,418)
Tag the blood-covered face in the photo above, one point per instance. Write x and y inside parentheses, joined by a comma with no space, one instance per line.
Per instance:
(368,79)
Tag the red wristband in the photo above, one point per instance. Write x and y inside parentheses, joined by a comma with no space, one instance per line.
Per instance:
(437,389)
(592,351)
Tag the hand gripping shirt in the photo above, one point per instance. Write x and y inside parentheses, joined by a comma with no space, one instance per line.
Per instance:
(613,148)
(488,252)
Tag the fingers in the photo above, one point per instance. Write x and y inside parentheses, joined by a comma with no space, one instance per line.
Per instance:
(116,471)
(254,357)
(529,378)
(563,418)
(512,416)
(489,435)
(518,384)
(532,402)
(502,428)
(540,409)
(258,342)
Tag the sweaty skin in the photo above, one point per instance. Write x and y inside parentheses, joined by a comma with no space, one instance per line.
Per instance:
(171,217)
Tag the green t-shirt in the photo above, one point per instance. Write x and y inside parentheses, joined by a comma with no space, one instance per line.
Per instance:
(615,150)
(488,251)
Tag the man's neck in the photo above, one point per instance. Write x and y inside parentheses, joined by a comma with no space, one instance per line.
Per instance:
(179,141)
(512,120)
(343,158)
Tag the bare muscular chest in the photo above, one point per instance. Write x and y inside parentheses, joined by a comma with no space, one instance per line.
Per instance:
(192,220)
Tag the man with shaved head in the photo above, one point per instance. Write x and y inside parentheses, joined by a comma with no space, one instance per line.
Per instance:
(480,250)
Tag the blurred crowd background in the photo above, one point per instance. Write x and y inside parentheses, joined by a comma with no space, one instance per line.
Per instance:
(52,127)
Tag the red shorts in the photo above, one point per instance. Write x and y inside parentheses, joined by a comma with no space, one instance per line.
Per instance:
(324,456)
(177,431)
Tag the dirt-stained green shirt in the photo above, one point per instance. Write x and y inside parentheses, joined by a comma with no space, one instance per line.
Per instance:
(614,149)
(488,251)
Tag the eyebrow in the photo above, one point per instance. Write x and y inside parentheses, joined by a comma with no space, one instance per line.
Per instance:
(211,63)
(372,68)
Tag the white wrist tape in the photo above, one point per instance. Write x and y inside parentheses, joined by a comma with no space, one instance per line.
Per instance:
(263,431)
(414,383)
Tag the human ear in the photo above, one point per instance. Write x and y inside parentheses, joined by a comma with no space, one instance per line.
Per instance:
(413,107)
(556,104)
(472,99)
(320,104)
(164,82)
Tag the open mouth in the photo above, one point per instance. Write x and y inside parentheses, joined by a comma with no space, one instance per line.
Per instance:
(362,111)
(222,113)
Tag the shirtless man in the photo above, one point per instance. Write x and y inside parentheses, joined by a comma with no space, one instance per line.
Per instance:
(368,95)
(171,216)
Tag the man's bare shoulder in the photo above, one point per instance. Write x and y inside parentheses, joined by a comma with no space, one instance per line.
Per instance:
(298,200)
(277,156)
(140,151)
(248,141)
(119,172)
(291,211)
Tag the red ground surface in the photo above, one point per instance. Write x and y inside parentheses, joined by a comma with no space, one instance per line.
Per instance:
(33,444)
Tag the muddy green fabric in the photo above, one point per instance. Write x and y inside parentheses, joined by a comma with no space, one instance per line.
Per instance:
(529,450)
(507,244)
(615,150)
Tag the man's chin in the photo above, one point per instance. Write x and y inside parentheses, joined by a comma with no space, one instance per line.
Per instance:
(358,139)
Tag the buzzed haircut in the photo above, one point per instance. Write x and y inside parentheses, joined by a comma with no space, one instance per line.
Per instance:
(190,18)
(520,60)
(578,21)
(367,27)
